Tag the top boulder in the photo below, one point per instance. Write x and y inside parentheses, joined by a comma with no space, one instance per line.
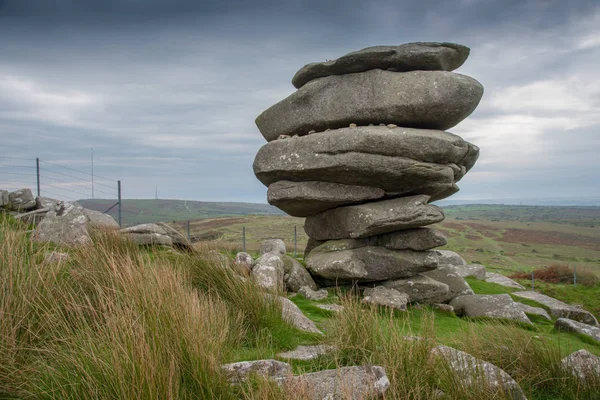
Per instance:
(426,56)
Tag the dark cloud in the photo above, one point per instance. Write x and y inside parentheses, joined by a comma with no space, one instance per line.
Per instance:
(166,92)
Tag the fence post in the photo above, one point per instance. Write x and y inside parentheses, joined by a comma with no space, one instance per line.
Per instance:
(119,207)
(575,275)
(37,167)
(532,281)
(244,239)
(188,230)
(295,241)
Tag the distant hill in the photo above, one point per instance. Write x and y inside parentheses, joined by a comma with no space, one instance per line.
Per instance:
(139,211)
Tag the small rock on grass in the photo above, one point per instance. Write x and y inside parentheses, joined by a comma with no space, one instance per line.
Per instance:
(386,297)
(331,307)
(307,352)
(582,364)
(239,372)
(314,295)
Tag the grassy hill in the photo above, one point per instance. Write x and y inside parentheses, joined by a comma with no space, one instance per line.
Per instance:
(140,211)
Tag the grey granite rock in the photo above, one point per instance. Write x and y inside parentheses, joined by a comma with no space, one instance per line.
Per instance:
(502,280)
(405,99)
(307,352)
(179,241)
(268,272)
(424,56)
(311,294)
(475,270)
(559,309)
(417,239)
(147,235)
(244,261)
(527,309)
(583,365)
(276,246)
(370,219)
(489,305)
(419,288)
(295,275)
(21,200)
(448,257)
(370,263)
(331,307)
(295,317)
(565,324)
(448,274)
(3,198)
(301,199)
(385,297)
(240,372)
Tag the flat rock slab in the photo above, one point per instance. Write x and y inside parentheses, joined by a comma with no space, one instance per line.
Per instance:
(367,264)
(490,306)
(475,270)
(385,297)
(583,365)
(448,274)
(540,312)
(295,317)
(307,352)
(416,99)
(558,309)
(373,218)
(239,372)
(295,276)
(400,161)
(356,383)
(418,239)
(419,288)
(565,324)
(471,371)
(448,257)
(502,280)
(424,56)
(21,200)
(331,307)
(301,199)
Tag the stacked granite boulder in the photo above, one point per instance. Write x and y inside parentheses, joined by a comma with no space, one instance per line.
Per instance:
(360,150)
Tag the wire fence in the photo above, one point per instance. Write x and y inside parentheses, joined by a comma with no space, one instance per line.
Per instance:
(50,179)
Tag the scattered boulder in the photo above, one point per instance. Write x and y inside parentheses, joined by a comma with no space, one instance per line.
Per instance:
(491,306)
(475,270)
(447,308)
(100,220)
(558,309)
(474,372)
(448,257)
(66,225)
(147,235)
(423,56)
(306,352)
(373,218)
(331,307)
(419,288)
(527,309)
(357,383)
(56,257)
(386,297)
(499,279)
(370,263)
(311,294)
(403,99)
(294,316)
(448,274)
(179,241)
(568,325)
(268,272)
(583,365)
(21,200)
(46,202)
(301,199)
(244,260)
(239,372)
(276,246)
(418,239)
(295,275)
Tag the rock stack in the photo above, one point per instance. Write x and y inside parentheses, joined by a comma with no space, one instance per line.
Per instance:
(360,149)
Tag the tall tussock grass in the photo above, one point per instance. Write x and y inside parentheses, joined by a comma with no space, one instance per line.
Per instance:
(114,322)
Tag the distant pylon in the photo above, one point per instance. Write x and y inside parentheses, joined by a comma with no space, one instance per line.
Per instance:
(156,193)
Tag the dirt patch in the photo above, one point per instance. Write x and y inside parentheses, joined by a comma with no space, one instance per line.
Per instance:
(473,237)
(480,227)
(490,234)
(552,238)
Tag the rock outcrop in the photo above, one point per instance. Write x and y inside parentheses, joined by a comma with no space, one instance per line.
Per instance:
(559,309)
(365,152)
(491,306)
(568,325)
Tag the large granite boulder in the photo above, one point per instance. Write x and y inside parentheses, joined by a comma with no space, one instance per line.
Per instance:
(475,270)
(419,288)
(471,371)
(275,246)
(448,274)
(537,311)
(100,220)
(244,261)
(268,272)
(385,297)
(147,235)
(418,239)
(356,383)
(559,309)
(448,257)
(376,96)
(369,263)
(301,199)
(491,306)
(179,241)
(583,365)
(312,244)
(423,56)
(21,200)
(239,372)
(68,225)
(373,218)
(568,325)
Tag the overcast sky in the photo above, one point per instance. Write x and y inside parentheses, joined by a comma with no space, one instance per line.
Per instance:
(166,92)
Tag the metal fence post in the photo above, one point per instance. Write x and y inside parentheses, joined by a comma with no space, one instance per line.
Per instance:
(119,208)
(37,167)
(188,230)
(243,238)
(575,275)
(295,241)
